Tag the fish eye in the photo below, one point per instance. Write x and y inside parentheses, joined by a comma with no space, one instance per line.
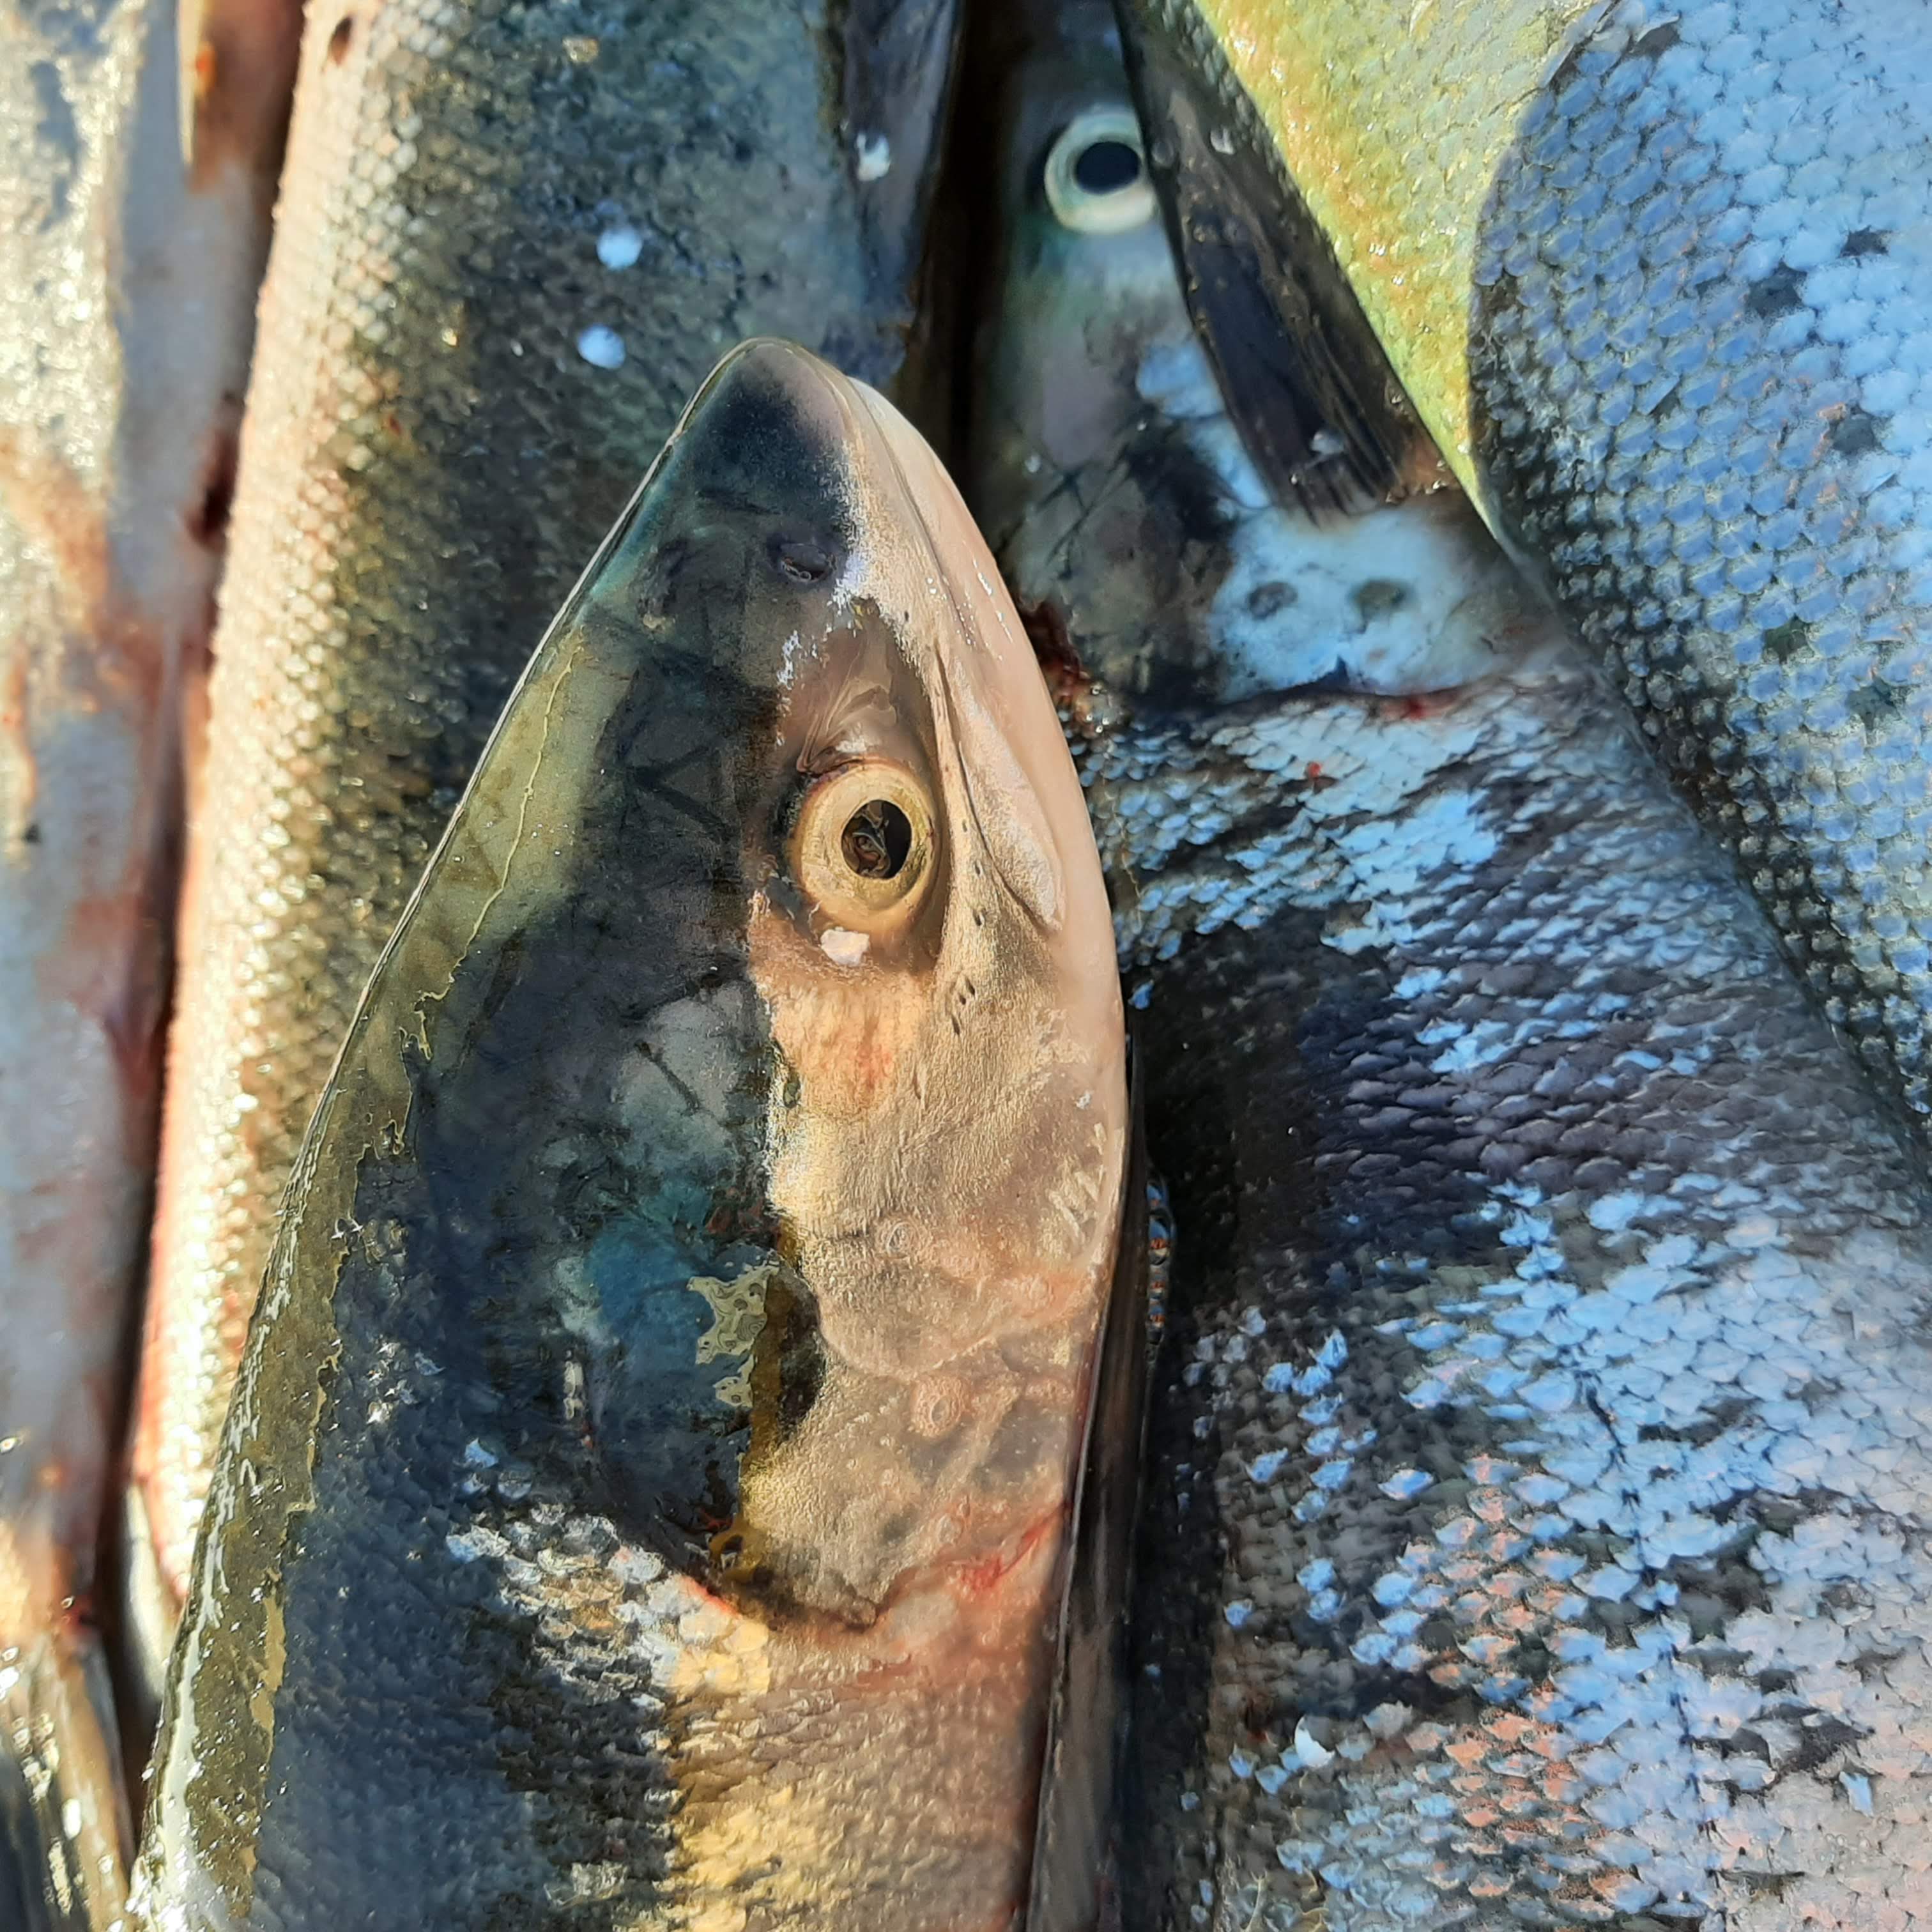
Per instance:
(1096,174)
(862,849)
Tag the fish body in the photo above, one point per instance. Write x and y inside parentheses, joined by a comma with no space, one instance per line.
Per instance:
(1656,281)
(127,288)
(645,1500)
(512,245)
(1536,1528)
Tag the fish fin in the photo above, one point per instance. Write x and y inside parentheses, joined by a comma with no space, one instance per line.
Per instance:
(1074,1826)
(149,1614)
(1305,378)
(65,1832)
(896,90)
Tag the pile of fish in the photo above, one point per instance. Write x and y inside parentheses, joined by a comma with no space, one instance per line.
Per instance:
(1212,1212)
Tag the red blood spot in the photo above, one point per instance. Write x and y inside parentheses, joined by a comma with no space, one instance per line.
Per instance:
(981,1579)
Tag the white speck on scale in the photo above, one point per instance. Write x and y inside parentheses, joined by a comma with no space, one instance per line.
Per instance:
(619,246)
(602,348)
(875,157)
(1309,1748)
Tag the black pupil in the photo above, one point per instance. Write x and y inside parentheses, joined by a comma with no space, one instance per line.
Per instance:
(1104,166)
(876,839)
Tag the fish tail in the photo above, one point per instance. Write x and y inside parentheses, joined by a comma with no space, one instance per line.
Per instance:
(64,1829)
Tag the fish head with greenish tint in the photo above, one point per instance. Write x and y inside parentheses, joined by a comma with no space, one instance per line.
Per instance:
(665,1401)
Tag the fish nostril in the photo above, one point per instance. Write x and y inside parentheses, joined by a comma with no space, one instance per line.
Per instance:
(344,33)
(877,840)
(802,560)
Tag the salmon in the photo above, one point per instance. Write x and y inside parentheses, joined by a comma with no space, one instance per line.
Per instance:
(646,1498)
(513,243)
(126,282)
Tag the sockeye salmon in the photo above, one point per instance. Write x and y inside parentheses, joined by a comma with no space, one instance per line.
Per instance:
(514,242)
(127,289)
(644,1500)
(1537,1530)
(1656,279)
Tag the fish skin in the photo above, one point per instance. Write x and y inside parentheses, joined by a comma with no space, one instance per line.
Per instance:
(428,458)
(1114,487)
(1540,1442)
(500,1616)
(127,291)
(1656,280)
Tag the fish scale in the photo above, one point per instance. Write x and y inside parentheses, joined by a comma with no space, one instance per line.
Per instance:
(1741,545)
(1655,277)
(1535,1530)
(434,442)
(1541,1433)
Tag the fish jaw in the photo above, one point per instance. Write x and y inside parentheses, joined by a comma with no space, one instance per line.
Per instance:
(583,1426)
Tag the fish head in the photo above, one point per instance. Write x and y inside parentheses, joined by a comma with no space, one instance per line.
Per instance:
(934,1166)
(687,1295)
(1084,283)
(1157,556)
(1106,516)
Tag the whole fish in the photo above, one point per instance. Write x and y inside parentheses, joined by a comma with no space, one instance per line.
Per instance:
(1537,1530)
(127,289)
(644,1500)
(514,242)
(1656,278)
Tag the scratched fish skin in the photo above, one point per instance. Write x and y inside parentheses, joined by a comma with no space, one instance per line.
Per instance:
(1541,1439)
(486,209)
(644,1498)
(127,289)
(1657,279)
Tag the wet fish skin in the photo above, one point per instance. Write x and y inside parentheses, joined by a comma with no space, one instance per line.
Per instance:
(1540,1435)
(126,304)
(553,1573)
(428,458)
(1655,280)
(1543,1418)
(1114,486)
